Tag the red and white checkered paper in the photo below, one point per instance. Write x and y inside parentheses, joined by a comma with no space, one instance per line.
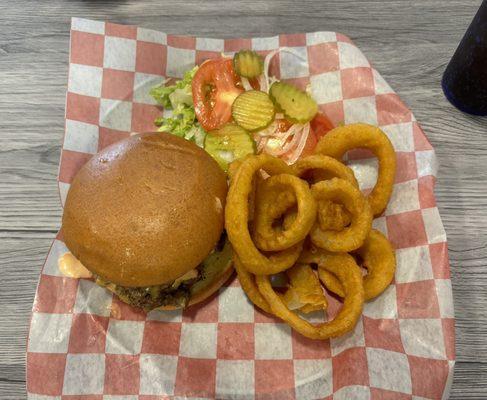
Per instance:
(86,344)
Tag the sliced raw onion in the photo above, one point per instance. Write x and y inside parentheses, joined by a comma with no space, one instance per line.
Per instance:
(246,84)
(290,145)
(261,144)
(291,131)
(293,157)
(270,130)
(267,61)
(263,82)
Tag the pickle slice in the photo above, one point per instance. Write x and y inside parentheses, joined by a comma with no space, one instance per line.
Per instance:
(229,143)
(296,105)
(253,110)
(212,267)
(248,63)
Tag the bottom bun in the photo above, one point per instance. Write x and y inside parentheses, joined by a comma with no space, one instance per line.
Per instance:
(207,292)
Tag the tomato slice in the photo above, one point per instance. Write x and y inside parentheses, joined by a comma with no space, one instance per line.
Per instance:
(320,125)
(215,86)
(283,125)
(310,145)
(254,82)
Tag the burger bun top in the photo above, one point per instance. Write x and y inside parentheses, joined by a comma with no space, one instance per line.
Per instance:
(145,210)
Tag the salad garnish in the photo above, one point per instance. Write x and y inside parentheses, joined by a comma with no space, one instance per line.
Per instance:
(233,107)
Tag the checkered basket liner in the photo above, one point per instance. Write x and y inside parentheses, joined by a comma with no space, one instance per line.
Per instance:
(86,344)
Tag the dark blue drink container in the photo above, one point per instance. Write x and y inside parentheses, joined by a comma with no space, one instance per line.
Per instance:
(465,79)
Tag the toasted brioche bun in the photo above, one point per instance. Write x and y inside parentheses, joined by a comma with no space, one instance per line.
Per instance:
(146,210)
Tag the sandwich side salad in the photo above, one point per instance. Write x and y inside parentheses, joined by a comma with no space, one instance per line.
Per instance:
(232,107)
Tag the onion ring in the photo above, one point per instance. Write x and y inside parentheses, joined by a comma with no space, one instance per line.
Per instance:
(282,207)
(237,216)
(318,256)
(289,218)
(380,262)
(333,216)
(268,209)
(304,292)
(331,282)
(344,138)
(349,274)
(233,168)
(352,237)
(247,281)
(324,168)
(314,255)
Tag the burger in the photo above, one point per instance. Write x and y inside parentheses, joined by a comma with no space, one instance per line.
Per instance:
(145,216)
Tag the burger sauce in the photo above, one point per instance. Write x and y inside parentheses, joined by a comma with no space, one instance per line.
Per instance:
(70,266)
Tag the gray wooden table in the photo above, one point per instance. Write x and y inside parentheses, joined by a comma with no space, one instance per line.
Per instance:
(409,42)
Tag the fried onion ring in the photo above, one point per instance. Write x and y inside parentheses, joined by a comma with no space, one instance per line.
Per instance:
(237,216)
(333,216)
(309,300)
(318,256)
(331,282)
(233,168)
(289,218)
(344,138)
(349,274)
(269,209)
(232,171)
(304,292)
(324,168)
(379,259)
(352,237)
(247,281)
(380,262)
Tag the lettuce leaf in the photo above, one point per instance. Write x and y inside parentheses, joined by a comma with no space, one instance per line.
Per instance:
(180,121)
(180,92)
(180,118)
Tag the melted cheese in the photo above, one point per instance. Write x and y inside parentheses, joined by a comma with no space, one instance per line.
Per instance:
(186,277)
(70,266)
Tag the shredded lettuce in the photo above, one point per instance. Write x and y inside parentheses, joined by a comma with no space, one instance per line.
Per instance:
(181,120)
(180,92)
(178,98)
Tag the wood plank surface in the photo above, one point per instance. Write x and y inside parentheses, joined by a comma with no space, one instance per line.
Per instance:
(409,42)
